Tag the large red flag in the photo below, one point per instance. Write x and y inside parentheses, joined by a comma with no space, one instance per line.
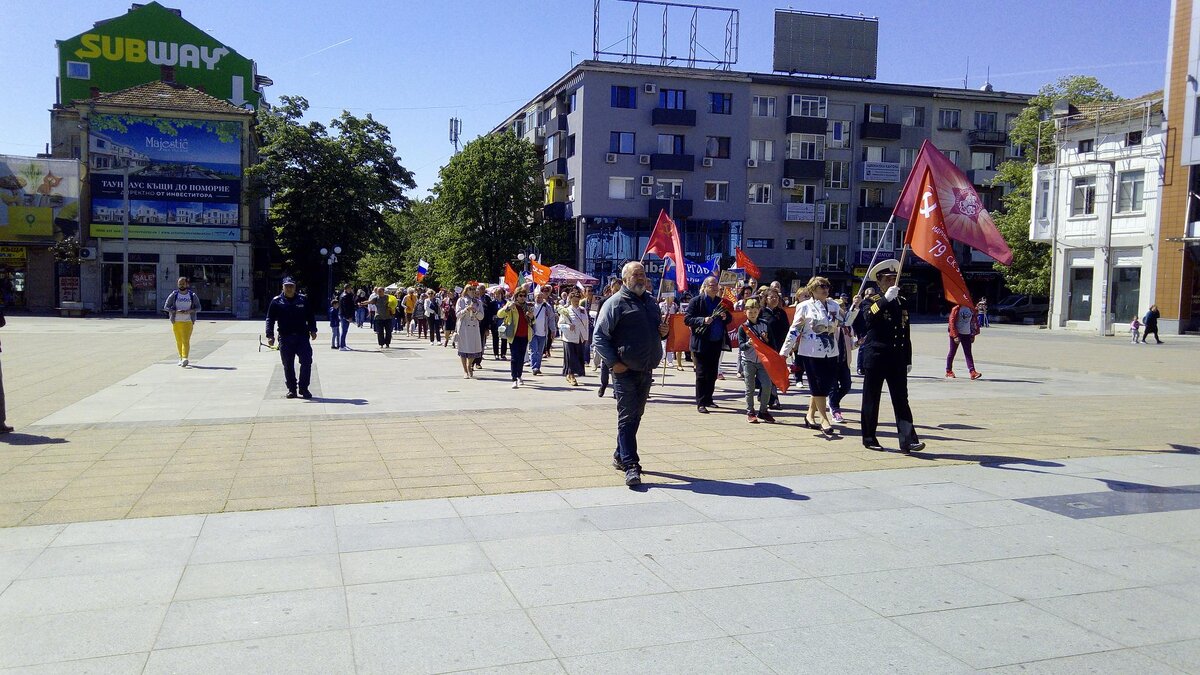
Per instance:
(510,278)
(664,242)
(540,273)
(928,239)
(775,364)
(962,211)
(744,262)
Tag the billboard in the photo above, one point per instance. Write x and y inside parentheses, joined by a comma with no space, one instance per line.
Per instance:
(39,198)
(131,49)
(185,177)
(826,44)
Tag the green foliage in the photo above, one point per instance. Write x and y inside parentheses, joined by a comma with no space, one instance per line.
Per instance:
(225,131)
(1033,131)
(328,186)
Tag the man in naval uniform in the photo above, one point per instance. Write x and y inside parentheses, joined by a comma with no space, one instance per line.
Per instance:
(881,320)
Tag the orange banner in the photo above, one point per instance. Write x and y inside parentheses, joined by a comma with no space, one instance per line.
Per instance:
(679,336)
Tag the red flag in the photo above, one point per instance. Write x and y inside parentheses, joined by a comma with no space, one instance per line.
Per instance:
(775,364)
(962,211)
(541,273)
(510,278)
(928,239)
(744,262)
(727,304)
(664,242)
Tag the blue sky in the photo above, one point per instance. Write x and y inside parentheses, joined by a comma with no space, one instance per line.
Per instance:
(414,64)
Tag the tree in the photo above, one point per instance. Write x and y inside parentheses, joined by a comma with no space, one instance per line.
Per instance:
(1034,132)
(326,189)
(487,199)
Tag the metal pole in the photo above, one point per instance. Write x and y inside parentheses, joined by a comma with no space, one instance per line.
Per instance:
(126,286)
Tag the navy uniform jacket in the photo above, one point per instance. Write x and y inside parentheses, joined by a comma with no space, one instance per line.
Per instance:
(883,326)
(295,316)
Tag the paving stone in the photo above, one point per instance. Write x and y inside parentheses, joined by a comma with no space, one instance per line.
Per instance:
(440,645)
(581,582)
(316,653)
(427,598)
(109,558)
(723,655)
(52,638)
(414,562)
(228,619)
(762,608)
(80,593)
(926,589)
(623,623)
(247,577)
(1133,617)
(715,569)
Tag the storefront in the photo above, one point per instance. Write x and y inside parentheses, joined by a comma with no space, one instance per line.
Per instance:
(13,263)
(220,279)
(211,277)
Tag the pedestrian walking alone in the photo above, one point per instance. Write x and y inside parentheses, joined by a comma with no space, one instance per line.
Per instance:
(182,305)
(964,326)
(1150,324)
(297,329)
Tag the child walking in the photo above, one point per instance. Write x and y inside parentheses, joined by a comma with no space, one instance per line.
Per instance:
(1134,327)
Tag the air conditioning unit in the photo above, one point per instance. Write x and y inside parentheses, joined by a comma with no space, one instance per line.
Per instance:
(752,164)
(610,158)
(707,161)
(643,159)
(788,183)
(647,190)
(647,180)
(87,253)
(650,88)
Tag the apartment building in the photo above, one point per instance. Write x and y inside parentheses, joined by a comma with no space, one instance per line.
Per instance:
(1098,206)
(800,172)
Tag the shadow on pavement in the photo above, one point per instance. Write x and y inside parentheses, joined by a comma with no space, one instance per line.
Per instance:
(18,438)
(721,488)
(192,367)
(348,401)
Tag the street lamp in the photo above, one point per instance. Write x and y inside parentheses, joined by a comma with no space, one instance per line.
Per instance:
(329,261)
(526,257)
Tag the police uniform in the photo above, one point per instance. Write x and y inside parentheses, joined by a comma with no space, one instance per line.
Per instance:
(885,356)
(296,322)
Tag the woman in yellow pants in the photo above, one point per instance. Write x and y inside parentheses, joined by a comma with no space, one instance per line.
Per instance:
(182,306)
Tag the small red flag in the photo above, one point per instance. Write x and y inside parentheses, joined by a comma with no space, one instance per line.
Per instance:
(929,241)
(727,305)
(510,278)
(664,242)
(541,273)
(744,262)
(775,364)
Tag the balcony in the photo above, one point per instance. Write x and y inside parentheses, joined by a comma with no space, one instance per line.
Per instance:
(555,167)
(673,117)
(873,214)
(803,168)
(882,131)
(557,211)
(797,124)
(977,137)
(803,213)
(560,122)
(683,208)
(981,177)
(879,172)
(663,162)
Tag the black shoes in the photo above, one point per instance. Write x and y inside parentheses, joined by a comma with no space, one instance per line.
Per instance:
(600,392)
(915,447)
(766,417)
(872,444)
(304,393)
(5,429)
(617,463)
(702,410)
(290,394)
(633,476)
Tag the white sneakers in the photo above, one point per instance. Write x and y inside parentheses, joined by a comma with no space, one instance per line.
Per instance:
(516,384)
(183,363)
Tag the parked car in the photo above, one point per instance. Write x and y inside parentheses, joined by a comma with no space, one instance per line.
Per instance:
(1017,308)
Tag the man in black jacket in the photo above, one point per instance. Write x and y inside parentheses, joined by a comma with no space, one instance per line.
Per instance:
(881,320)
(710,336)
(296,319)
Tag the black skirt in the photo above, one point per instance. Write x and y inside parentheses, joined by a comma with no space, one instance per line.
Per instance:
(822,374)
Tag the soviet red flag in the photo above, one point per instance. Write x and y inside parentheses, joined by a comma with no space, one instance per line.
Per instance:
(664,242)
(775,365)
(540,273)
(744,262)
(929,241)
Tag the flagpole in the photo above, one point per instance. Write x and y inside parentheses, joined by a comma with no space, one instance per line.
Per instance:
(875,256)
(900,269)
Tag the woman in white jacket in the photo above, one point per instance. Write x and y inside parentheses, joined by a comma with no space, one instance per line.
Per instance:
(814,334)
(573,328)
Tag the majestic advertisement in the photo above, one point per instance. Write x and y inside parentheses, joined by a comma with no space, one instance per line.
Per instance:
(183,177)
(39,199)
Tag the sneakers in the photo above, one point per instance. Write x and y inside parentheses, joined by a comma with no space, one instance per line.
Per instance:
(751,418)
(950,374)
(521,381)
(767,417)
(633,476)
(720,376)
(617,463)
(837,417)
(183,362)
(290,394)
(516,384)
(975,374)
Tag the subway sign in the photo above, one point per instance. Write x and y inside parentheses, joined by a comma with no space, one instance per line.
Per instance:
(131,50)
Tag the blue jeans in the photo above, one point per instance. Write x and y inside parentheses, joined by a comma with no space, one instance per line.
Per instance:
(632,388)
(758,380)
(843,385)
(537,345)
(345,329)
(333,330)
(517,364)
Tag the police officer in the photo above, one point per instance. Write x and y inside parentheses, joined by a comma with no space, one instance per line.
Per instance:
(881,320)
(291,310)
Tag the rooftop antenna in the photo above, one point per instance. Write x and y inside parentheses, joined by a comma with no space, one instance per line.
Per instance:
(987,83)
(455,131)
(967,74)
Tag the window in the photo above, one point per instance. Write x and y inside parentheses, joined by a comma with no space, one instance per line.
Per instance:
(670,187)
(837,175)
(870,196)
(908,157)
(620,142)
(838,134)
(716,191)
(951,155)
(1083,196)
(833,256)
(760,193)
(716,146)
(762,150)
(809,106)
(983,160)
(912,116)
(571,102)
(806,146)
(760,243)
(948,118)
(985,121)
(719,103)
(870,234)
(518,128)
(872,153)
(570,149)
(571,190)
(670,144)
(804,194)
(875,112)
(835,216)
(1133,138)
(79,70)
(790,244)
(1130,185)
(763,106)
(620,188)
(1043,200)
(624,97)
(674,99)
(551,148)
(1087,145)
